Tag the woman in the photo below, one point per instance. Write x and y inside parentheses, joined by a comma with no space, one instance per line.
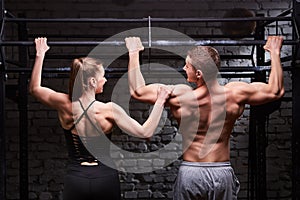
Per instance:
(84,121)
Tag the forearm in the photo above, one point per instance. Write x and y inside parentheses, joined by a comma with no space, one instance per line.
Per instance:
(36,74)
(131,126)
(276,75)
(152,122)
(135,77)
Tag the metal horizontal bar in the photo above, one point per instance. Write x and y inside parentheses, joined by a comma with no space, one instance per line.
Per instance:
(83,20)
(143,56)
(218,42)
(153,43)
(251,69)
(62,35)
(75,20)
(237,56)
(289,11)
(123,70)
(54,73)
(221,19)
(63,43)
(119,75)
(46,70)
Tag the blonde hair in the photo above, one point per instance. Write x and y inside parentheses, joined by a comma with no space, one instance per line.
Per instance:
(81,70)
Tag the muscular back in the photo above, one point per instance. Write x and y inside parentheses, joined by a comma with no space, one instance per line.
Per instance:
(205,135)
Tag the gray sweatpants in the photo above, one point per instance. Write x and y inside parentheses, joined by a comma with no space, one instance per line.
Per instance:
(201,180)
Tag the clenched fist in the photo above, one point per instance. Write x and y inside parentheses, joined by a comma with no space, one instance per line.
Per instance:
(134,44)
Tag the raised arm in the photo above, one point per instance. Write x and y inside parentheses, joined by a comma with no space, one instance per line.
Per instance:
(45,95)
(130,126)
(138,89)
(257,93)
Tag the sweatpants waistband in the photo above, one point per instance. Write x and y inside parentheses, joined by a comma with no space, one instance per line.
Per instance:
(206,164)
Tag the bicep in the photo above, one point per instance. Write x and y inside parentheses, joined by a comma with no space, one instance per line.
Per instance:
(255,93)
(147,93)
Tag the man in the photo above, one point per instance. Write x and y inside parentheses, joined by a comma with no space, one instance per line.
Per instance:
(208,113)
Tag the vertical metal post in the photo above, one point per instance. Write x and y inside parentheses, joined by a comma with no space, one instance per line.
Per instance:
(295,131)
(261,183)
(251,156)
(257,133)
(296,107)
(149,42)
(23,113)
(2,114)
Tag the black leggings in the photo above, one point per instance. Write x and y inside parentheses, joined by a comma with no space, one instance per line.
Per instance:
(91,183)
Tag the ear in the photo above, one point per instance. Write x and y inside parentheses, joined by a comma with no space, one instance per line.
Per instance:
(199,74)
(93,82)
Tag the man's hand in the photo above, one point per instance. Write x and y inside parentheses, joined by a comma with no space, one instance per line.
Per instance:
(274,44)
(134,44)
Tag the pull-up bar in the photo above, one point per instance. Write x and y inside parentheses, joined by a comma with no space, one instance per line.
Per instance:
(153,43)
(124,70)
(84,20)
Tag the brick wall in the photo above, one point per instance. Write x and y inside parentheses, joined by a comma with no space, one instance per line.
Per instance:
(47,151)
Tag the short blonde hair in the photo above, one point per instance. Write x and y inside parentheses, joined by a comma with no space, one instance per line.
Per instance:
(206,59)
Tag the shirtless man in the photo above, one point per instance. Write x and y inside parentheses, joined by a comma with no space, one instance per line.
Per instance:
(205,172)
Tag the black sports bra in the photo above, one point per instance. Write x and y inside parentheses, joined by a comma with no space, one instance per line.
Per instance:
(76,144)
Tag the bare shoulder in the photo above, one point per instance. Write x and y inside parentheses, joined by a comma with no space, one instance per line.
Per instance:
(106,108)
(59,97)
(180,89)
(103,106)
(236,84)
(60,100)
(238,87)
(238,91)
(178,94)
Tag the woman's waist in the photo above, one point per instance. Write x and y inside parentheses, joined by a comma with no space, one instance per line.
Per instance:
(93,169)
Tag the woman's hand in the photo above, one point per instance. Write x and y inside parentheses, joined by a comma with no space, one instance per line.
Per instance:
(41,46)
(163,93)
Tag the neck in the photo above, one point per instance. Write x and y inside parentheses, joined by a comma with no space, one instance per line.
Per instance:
(88,96)
(212,85)
(200,83)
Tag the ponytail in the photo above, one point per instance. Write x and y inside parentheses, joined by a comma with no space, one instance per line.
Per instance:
(81,70)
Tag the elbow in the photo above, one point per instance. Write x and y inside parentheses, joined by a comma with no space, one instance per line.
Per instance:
(31,88)
(135,94)
(140,133)
(32,91)
(279,93)
(147,134)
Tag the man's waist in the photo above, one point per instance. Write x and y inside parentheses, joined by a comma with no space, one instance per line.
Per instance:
(206,164)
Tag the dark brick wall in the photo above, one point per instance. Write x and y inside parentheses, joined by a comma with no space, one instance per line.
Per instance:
(47,151)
